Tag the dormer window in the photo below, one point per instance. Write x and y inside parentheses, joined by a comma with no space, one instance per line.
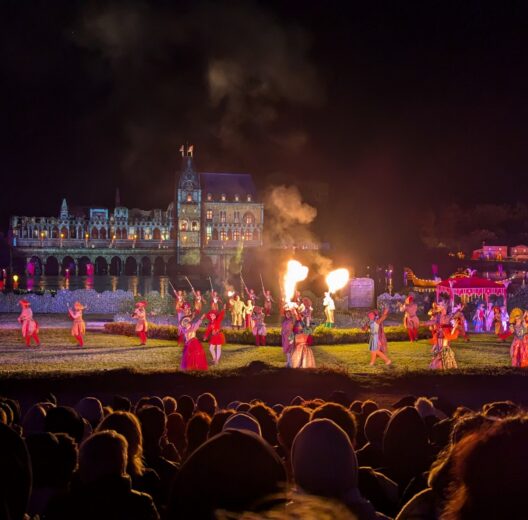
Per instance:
(249,198)
(237,198)
(209,196)
(189,197)
(223,197)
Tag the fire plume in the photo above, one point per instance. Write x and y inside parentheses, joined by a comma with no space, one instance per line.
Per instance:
(337,279)
(295,272)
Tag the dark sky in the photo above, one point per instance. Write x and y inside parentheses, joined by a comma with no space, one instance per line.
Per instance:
(377,110)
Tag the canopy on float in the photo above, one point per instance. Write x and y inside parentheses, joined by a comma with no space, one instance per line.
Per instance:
(468,287)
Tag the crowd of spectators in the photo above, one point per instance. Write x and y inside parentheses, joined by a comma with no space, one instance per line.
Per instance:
(184,458)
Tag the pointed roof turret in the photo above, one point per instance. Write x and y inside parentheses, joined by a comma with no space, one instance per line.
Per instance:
(64,213)
(188,178)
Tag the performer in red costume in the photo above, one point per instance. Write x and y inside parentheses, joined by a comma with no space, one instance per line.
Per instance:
(410,318)
(268,302)
(214,334)
(193,357)
(198,302)
(78,329)
(30,327)
(140,315)
(259,326)
(179,301)
(216,302)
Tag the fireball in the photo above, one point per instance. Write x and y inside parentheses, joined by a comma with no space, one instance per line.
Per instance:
(337,279)
(295,272)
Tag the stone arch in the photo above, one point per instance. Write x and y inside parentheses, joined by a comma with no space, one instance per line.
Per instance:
(156,234)
(130,266)
(82,264)
(116,266)
(95,233)
(101,265)
(55,232)
(159,266)
(145,266)
(64,232)
(172,265)
(68,263)
(52,266)
(102,233)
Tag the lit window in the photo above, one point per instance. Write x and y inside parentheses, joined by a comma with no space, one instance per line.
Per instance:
(209,214)
(209,196)
(249,198)
(189,197)
(209,232)
(237,198)
(223,217)
(236,235)
(237,216)
(223,235)
(248,235)
(184,225)
(249,219)
(194,225)
(223,197)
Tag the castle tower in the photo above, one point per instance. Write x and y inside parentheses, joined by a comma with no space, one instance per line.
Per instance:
(64,213)
(188,210)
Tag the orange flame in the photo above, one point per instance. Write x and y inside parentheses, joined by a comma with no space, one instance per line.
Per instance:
(337,279)
(295,272)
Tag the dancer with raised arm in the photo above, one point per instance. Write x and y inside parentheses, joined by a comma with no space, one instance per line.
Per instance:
(214,334)
(78,329)
(30,326)
(375,345)
(410,319)
(193,357)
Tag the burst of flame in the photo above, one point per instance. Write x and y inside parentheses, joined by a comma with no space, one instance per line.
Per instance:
(337,279)
(295,272)
(230,293)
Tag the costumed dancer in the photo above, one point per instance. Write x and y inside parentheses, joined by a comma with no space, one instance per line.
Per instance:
(479,318)
(410,318)
(302,353)
(237,312)
(287,335)
(140,315)
(193,357)
(443,333)
(375,320)
(30,326)
(248,312)
(216,302)
(179,301)
(268,302)
(489,315)
(329,309)
(78,329)
(251,295)
(459,322)
(198,301)
(505,318)
(497,321)
(214,334)
(518,349)
(259,326)
(306,312)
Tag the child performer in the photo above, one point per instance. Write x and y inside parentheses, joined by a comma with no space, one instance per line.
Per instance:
(214,334)
(30,327)
(374,341)
(140,315)
(302,354)
(248,312)
(259,326)
(518,349)
(193,357)
(78,329)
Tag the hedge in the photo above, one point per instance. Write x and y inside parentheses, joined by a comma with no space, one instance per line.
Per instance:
(322,335)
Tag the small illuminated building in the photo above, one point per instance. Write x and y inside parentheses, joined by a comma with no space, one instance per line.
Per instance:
(490,253)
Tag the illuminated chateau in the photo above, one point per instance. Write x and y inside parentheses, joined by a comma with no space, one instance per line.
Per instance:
(211,217)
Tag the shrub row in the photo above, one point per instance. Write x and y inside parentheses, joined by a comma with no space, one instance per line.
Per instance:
(322,335)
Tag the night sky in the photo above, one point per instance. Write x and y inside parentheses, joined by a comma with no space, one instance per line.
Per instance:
(377,111)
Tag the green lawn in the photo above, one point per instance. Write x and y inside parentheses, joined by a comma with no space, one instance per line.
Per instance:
(107,352)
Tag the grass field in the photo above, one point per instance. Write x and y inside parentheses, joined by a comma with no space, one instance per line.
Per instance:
(102,352)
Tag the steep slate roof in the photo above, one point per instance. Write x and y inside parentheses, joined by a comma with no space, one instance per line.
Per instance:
(228,183)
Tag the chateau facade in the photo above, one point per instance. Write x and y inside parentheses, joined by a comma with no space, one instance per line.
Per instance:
(211,217)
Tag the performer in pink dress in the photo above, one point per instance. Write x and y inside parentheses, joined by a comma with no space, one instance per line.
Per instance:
(193,357)
(140,315)
(30,327)
(214,334)
(78,329)
(287,335)
(302,353)
(519,329)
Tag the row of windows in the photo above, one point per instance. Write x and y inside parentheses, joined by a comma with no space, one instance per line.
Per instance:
(225,235)
(248,217)
(223,197)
